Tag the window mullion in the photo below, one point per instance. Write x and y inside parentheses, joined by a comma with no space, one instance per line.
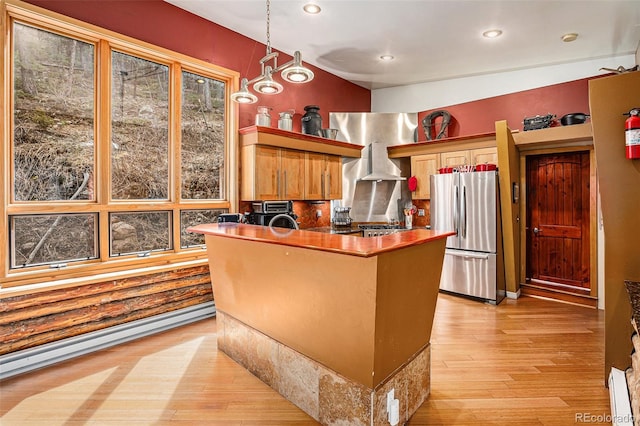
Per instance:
(103,136)
(175,178)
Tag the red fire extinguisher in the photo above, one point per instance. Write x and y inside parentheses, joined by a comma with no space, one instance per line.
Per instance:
(632,133)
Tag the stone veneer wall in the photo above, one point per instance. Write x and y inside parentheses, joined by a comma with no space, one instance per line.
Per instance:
(633,375)
(320,392)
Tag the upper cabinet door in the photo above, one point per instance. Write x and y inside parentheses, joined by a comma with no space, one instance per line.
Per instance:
(484,156)
(314,171)
(455,158)
(267,173)
(333,176)
(422,167)
(291,175)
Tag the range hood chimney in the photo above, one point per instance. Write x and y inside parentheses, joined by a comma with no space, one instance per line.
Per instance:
(377,163)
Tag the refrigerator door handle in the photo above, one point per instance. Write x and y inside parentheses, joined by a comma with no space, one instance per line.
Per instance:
(463,213)
(468,255)
(455,211)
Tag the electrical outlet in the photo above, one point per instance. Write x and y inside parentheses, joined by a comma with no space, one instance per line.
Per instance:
(318,213)
(420,212)
(393,408)
(394,413)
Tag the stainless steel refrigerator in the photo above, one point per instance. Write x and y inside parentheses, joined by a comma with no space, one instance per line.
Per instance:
(467,203)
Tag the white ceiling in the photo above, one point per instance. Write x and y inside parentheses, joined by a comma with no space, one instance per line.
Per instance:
(431,40)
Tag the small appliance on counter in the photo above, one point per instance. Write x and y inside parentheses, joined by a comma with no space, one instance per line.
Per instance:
(341,218)
(230,218)
(273,213)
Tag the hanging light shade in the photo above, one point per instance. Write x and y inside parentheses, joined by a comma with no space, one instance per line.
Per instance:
(243,96)
(292,71)
(266,85)
(296,72)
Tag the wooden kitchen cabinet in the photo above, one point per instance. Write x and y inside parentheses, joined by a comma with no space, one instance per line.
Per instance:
(422,167)
(425,165)
(275,165)
(270,173)
(455,158)
(323,177)
(484,156)
(471,156)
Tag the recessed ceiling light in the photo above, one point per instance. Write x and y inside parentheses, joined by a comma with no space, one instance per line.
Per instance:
(569,37)
(387,57)
(311,8)
(492,33)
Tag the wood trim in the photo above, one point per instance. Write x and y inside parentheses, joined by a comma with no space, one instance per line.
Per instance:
(563,296)
(259,135)
(593,212)
(5,129)
(509,166)
(554,136)
(459,143)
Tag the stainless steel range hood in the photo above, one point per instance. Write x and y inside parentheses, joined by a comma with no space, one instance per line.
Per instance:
(375,186)
(378,163)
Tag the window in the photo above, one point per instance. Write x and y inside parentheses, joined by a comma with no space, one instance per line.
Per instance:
(111,160)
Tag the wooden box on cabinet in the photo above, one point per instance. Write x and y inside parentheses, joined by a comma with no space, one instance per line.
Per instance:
(270,173)
(323,177)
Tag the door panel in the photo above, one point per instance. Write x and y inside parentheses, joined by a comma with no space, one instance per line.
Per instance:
(334,177)
(455,158)
(292,174)
(558,204)
(478,211)
(267,167)
(422,167)
(444,205)
(313,175)
(473,274)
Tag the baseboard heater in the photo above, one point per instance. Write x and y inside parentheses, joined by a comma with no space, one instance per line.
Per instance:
(619,397)
(44,355)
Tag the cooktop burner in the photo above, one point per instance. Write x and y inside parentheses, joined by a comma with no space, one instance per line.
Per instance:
(379,226)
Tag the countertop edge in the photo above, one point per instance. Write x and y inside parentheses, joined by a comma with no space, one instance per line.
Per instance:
(333,243)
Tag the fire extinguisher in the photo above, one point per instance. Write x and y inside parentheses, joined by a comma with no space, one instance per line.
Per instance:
(632,133)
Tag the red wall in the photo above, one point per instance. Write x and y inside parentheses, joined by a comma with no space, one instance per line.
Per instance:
(164,25)
(480,116)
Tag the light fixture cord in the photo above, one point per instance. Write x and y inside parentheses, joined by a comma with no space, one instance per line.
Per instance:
(268,24)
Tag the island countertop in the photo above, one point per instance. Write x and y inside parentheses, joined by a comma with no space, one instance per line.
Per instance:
(344,244)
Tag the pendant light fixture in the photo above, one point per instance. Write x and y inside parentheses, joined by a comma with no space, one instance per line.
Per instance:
(292,71)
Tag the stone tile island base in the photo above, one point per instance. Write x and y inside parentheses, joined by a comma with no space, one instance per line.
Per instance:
(320,392)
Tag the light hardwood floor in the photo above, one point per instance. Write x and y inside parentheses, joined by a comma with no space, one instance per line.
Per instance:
(524,362)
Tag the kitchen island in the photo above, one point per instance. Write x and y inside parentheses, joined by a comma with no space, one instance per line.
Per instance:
(332,322)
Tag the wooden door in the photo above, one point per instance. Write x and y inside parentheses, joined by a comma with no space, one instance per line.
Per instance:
(422,167)
(291,174)
(313,175)
(334,177)
(267,173)
(558,221)
(454,158)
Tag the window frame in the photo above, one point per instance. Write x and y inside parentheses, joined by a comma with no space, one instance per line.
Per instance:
(106,41)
